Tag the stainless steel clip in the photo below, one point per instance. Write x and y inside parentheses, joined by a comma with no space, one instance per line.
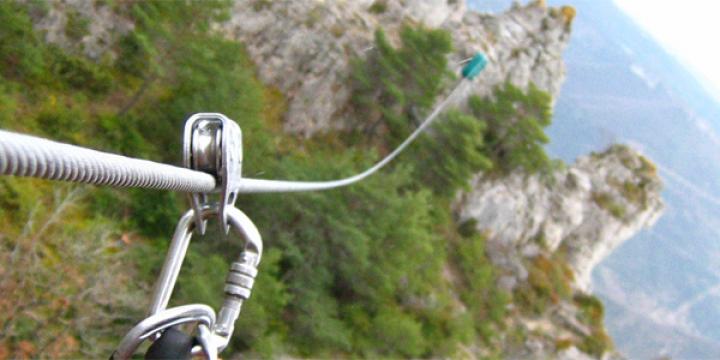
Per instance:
(214,332)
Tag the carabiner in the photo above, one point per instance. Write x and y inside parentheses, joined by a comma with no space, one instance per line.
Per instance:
(215,332)
(202,314)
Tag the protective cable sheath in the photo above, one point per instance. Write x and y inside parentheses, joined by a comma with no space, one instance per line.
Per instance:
(24,155)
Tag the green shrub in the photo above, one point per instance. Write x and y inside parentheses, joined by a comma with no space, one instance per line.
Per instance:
(135,53)
(448,157)
(77,26)
(314,16)
(563,343)
(487,303)
(60,116)
(79,73)
(259,5)
(592,314)
(606,202)
(54,283)
(8,105)
(591,307)
(635,193)
(647,168)
(21,52)
(378,7)
(396,333)
(260,329)
(393,88)
(154,212)
(596,344)
(549,282)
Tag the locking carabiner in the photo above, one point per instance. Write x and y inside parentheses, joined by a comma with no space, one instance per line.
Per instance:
(155,324)
(214,332)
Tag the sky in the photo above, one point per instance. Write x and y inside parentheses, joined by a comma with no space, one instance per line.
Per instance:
(689,30)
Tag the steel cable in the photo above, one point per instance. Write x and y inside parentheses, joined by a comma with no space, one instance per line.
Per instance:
(24,155)
(267,186)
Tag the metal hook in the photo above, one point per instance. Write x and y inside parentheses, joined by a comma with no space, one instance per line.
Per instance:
(238,286)
(156,323)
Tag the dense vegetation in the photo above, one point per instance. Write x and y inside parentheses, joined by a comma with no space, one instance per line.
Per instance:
(358,271)
(516,123)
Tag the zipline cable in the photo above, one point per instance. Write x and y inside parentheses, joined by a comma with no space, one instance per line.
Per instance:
(24,155)
(248,185)
(474,66)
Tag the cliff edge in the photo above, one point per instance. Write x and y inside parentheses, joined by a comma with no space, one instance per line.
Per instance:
(584,211)
(305,47)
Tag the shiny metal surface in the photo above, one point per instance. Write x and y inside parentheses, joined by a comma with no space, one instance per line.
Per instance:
(179,244)
(212,143)
(173,262)
(167,318)
(237,289)
(24,155)
(206,347)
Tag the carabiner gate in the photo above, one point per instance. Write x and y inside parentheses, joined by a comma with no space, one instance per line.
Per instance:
(214,332)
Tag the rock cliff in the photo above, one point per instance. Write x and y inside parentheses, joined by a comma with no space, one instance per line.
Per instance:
(102,27)
(565,223)
(585,211)
(305,47)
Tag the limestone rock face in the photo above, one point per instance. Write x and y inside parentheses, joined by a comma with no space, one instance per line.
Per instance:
(304,47)
(585,211)
(102,30)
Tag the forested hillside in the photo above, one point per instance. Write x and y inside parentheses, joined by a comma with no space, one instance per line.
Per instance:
(380,269)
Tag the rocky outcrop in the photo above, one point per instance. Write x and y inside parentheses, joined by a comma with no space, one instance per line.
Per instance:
(304,47)
(562,223)
(585,211)
(82,25)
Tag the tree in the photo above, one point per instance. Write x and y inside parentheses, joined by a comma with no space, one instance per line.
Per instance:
(166,33)
(515,133)
(21,55)
(394,86)
(452,153)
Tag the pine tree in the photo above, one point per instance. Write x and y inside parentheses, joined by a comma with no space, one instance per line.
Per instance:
(516,123)
(394,87)
(452,153)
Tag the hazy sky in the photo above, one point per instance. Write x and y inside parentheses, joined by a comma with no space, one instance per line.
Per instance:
(688,29)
